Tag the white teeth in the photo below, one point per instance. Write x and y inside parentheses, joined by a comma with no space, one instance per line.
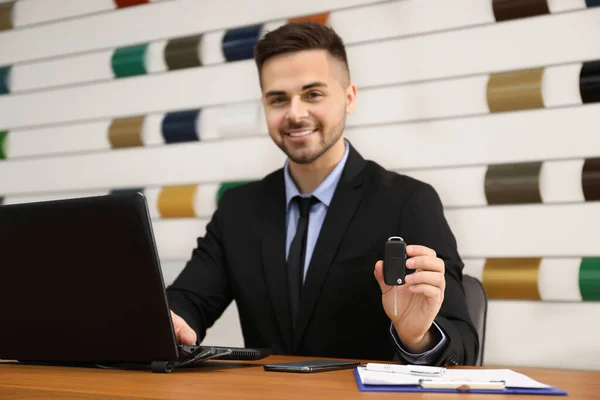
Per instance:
(303,133)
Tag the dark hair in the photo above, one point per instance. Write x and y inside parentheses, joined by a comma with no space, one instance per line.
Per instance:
(298,36)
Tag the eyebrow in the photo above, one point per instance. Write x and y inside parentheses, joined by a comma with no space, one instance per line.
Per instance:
(305,87)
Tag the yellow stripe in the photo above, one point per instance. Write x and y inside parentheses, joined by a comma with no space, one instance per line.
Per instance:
(126,132)
(177,201)
(515,90)
(512,278)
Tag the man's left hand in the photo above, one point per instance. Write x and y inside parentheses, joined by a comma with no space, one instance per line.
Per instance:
(418,300)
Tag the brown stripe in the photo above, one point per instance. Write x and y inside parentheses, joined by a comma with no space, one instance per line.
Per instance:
(183,52)
(513,183)
(512,278)
(512,9)
(177,201)
(6,10)
(126,132)
(515,90)
(590,179)
(318,18)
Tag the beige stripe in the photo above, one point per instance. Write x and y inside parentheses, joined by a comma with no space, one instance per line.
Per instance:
(512,278)
(126,132)
(177,201)
(515,90)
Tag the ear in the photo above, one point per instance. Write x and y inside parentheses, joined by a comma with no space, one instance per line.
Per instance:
(350,98)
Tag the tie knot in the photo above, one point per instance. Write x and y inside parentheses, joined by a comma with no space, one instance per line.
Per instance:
(305,203)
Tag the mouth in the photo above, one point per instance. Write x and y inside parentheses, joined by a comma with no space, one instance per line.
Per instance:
(299,134)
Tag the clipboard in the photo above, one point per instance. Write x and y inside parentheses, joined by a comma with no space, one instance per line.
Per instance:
(426,385)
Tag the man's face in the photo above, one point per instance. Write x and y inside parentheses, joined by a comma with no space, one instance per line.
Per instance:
(306,96)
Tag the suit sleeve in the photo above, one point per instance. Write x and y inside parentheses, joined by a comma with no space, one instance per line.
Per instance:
(423,222)
(201,292)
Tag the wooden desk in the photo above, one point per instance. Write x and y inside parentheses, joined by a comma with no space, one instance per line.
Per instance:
(227,380)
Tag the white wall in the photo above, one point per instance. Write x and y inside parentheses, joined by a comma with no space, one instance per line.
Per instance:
(424,71)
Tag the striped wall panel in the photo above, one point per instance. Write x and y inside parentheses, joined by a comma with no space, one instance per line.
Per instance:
(372,67)
(491,141)
(185,18)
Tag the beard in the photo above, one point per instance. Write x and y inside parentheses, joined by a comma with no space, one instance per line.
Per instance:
(308,153)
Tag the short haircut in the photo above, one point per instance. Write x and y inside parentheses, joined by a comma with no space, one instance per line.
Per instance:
(298,36)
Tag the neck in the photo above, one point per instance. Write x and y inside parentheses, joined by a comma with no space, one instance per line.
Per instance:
(308,177)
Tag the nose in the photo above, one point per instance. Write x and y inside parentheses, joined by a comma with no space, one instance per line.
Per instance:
(297,110)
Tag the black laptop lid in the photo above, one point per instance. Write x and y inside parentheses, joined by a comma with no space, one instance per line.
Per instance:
(80,280)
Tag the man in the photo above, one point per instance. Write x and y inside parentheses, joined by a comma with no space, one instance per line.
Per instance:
(320,292)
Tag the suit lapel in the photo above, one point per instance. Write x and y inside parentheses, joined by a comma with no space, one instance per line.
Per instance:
(344,203)
(273,251)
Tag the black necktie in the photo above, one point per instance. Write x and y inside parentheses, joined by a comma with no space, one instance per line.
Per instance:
(297,254)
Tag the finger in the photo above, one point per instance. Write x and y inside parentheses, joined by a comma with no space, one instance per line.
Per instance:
(426,277)
(426,263)
(426,290)
(379,276)
(183,332)
(414,250)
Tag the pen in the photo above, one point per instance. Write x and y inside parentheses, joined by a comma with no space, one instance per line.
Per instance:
(406,369)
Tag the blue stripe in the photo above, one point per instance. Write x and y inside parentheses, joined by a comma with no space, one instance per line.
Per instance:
(180,126)
(238,43)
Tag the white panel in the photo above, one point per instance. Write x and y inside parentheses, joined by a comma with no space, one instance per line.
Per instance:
(526,231)
(489,139)
(211,49)
(271,26)
(152,130)
(155,58)
(546,335)
(556,6)
(208,121)
(408,17)
(471,141)
(185,17)
(437,99)
(189,88)
(58,139)
(227,331)
(237,120)
(79,69)
(151,194)
(558,279)
(206,199)
(176,238)
(171,270)
(52,196)
(28,12)
(457,187)
(567,37)
(474,267)
(560,181)
(560,85)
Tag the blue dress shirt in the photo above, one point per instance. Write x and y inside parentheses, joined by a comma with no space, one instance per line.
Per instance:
(317,214)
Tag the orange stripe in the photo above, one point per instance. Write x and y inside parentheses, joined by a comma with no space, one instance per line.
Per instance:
(177,201)
(318,18)
(512,278)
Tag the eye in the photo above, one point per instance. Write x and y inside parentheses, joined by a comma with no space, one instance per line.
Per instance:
(313,95)
(277,100)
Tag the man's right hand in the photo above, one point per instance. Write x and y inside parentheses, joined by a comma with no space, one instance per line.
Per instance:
(183,332)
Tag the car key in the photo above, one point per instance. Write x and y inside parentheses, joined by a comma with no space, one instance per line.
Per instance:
(394,265)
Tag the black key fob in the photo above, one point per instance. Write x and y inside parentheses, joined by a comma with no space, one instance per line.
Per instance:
(394,265)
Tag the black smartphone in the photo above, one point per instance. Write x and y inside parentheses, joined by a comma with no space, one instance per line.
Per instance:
(311,366)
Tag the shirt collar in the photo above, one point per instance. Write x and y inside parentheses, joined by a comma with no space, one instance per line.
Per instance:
(325,190)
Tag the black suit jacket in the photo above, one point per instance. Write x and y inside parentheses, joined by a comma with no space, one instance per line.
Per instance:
(242,258)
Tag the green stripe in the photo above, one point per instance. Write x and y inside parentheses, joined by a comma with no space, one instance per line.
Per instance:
(129,61)
(3,136)
(589,279)
(228,185)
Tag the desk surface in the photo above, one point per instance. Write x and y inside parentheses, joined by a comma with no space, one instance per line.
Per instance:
(248,380)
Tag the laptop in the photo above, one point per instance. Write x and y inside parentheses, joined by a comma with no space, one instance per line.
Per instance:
(81,283)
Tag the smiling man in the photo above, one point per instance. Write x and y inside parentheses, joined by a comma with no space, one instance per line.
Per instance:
(300,250)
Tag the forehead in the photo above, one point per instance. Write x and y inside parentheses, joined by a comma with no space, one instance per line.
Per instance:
(291,71)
